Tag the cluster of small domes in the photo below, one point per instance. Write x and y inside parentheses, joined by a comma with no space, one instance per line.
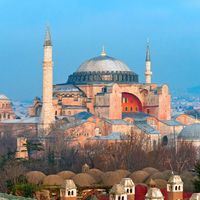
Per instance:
(94,177)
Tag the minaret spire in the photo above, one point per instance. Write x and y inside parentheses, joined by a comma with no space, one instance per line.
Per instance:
(47,114)
(148,52)
(47,40)
(148,72)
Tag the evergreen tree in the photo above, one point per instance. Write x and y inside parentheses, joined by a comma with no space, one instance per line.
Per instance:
(197,180)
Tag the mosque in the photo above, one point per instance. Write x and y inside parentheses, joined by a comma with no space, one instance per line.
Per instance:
(103,100)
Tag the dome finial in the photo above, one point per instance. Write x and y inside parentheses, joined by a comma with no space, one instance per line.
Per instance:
(103,53)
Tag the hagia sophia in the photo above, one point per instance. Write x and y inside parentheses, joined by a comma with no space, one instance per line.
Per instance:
(102,100)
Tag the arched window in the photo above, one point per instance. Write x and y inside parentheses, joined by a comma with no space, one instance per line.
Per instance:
(119,198)
(122,197)
(176,188)
(68,193)
(56,112)
(127,190)
(179,187)
(72,192)
(131,190)
(126,108)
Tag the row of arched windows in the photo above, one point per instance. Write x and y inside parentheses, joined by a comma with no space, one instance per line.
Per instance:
(120,198)
(4,105)
(129,191)
(70,193)
(4,116)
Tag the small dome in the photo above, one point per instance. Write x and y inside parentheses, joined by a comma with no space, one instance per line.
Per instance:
(53,180)
(188,185)
(111,178)
(96,174)
(190,132)
(84,180)
(66,174)
(161,183)
(150,170)
(123,173)
(157,175)
(117,189)
(154,193)
(139,176)
(3,97)
(35,177)
(103,63)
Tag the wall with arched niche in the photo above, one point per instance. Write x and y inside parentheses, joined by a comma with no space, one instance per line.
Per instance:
(131,103)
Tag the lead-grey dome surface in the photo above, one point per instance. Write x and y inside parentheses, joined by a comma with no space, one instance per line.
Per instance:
(190,132)
(103,63)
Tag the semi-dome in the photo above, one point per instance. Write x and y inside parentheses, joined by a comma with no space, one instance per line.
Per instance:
(103,68)
(190,132)
(103,63)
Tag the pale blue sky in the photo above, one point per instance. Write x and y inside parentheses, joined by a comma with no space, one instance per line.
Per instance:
(79,29)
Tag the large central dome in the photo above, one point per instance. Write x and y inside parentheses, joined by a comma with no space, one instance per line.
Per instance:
(103,63)
(103,69)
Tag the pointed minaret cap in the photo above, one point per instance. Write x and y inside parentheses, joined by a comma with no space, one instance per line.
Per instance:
(47,40)
(103,53)
(148,52)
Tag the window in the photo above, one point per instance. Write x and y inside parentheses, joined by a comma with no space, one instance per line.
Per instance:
(131,190)
(72,192)
(148,111)
(136,108)
(176,188)
(126,108)
(119,198)
(56,112)
(131,109)
(127,190)
(8,116)
(68,193)
(179,187)
(122,197)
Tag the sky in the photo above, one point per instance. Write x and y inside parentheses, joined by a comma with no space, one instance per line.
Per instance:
(79,28)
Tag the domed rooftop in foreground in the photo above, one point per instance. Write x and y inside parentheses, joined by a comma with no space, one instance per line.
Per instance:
(103,68)
(190,132)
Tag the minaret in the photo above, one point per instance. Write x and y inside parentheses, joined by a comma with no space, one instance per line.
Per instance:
(148,72)
(47,114)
